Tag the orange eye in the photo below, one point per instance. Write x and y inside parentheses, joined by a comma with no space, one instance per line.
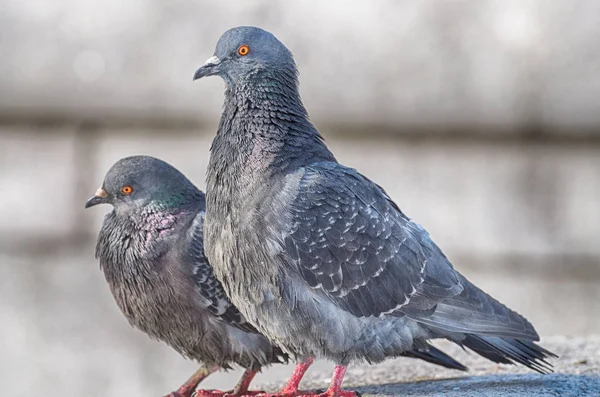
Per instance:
(243,50)
(127,189)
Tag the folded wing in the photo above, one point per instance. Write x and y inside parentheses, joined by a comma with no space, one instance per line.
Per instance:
(350,241)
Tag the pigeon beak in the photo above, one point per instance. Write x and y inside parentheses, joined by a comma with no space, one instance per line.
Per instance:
(210,68)
(100,197)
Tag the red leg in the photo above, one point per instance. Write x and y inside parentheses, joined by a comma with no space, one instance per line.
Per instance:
(335,387)
(291,388)
(187,389)
(241,388)
(244,383)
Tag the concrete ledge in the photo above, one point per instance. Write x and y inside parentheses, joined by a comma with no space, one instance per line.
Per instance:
(577,374)
(494,385)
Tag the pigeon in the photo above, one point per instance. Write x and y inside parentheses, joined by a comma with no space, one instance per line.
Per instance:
(150,248)
(316,255)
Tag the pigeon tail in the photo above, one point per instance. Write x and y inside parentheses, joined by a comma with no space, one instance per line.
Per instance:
(510,351)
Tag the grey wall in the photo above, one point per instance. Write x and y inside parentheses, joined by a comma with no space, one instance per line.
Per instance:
(508,199)
(480,118)
(438,63)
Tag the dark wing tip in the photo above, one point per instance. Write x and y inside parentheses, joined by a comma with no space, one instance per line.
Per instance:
(511,351)
(435,356)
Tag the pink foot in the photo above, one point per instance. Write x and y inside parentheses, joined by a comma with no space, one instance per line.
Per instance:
(335,387)
(179,394)
(240,390)
(338,393)
(209,393)
(298,393)
(182,392)
(229,393)
(290,391)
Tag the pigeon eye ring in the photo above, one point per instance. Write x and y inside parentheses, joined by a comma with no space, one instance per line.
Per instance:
(127,189)
(243,50)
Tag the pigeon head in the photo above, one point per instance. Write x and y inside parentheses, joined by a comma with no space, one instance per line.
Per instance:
(243,50)
(139,182)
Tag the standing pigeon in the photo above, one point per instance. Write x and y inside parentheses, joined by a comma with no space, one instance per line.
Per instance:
(151,251)
(315,255)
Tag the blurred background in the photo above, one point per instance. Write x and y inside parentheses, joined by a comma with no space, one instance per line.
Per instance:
(480,118)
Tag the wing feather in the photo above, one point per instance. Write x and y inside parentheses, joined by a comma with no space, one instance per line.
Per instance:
(350,241)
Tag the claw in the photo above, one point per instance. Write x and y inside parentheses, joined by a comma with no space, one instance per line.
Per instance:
(183,392)
(211,393)
(339,393)
(228,393)
(240,390)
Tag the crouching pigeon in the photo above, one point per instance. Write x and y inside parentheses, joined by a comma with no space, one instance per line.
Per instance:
(150,248)
(315,255)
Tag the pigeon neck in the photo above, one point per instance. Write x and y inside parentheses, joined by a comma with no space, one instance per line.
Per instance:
(265,128)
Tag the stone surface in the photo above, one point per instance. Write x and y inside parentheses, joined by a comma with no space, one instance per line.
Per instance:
(577,373)
(495,63)
(494,386)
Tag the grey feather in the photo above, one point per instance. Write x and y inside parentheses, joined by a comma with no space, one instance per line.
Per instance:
(315,255)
